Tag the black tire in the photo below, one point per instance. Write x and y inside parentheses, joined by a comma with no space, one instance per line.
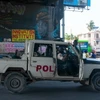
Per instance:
(15,82)
(95,81)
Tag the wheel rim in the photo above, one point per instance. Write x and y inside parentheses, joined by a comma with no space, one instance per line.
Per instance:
(15,83)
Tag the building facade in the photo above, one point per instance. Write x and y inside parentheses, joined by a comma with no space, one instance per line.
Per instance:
(93,38)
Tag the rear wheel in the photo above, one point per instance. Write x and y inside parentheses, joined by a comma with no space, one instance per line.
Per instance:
(95,81)
(15,82)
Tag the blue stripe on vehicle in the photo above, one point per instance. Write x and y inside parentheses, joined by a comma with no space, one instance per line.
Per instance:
(91,61)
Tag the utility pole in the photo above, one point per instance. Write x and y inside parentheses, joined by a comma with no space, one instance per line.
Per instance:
(71,35)
(63,25)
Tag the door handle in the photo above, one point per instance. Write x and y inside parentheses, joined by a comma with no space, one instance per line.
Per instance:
(34,61)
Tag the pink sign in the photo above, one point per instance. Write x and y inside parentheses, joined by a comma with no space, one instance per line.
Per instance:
(11,47)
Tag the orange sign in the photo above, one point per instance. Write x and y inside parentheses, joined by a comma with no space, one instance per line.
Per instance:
(19,35)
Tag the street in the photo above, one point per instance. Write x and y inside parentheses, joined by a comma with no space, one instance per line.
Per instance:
(50,90)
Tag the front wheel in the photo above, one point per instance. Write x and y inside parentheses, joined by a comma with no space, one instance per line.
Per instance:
(15,82)
(95,81)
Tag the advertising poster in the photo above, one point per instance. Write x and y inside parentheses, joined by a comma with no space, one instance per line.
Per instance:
(77,3)
(89,2)
(11,47)
(84,45)
(22,35)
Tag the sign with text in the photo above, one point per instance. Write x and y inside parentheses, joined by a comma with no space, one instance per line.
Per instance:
(20,35)
(10,47)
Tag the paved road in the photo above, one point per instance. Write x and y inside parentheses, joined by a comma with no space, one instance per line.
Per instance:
(52,91)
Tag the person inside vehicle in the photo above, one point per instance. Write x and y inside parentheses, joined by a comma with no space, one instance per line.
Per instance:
(60,62)
(60,55)
(66,66)
(49,51)
(42,50)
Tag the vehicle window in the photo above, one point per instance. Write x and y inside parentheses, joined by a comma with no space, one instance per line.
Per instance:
(43,50)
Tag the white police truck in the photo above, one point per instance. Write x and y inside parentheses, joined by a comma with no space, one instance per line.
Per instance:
(40,62)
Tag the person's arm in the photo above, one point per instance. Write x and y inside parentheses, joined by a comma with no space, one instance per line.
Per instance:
(60,56)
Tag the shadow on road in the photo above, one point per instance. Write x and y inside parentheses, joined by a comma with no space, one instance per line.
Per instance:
(57,87)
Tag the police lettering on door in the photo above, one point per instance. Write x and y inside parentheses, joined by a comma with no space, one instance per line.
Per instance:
(44,68)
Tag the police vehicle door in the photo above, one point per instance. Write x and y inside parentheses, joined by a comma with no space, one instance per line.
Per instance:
(81,63)
(42,62)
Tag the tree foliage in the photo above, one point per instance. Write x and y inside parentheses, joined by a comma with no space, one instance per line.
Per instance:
(70,36)
(90,25)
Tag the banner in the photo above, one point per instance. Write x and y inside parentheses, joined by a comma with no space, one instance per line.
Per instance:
(88,2)
(11,47)
(19,35)
(77,3)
